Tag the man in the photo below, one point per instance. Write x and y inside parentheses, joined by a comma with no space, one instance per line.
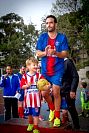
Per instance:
(52,48)
(10,83)
(70,83)
(21,91)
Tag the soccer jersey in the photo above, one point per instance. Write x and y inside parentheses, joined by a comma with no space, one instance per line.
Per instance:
(51,59)
(61,44)
(32,96)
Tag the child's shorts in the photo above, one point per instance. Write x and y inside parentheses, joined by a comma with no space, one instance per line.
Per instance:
(64,103)
(32,111)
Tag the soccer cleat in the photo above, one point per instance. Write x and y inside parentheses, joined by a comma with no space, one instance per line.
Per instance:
(30,127)
(56,122)
(36,131)
(51,115)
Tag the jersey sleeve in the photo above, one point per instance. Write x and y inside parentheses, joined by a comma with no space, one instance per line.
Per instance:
(65,44)
(39,43)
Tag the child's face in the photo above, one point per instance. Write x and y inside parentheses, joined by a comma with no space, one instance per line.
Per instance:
(33,67)
(81,86)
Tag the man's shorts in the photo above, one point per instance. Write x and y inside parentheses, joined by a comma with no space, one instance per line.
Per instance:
(55,79)
(32,111)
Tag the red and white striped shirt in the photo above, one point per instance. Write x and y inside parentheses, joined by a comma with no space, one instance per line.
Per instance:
(32,96)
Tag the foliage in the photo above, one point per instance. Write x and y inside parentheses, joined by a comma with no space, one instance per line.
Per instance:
(17,40)
(61,7)
(73,19)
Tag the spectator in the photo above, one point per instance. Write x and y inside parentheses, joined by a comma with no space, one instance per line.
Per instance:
(84,98)
(10,83)
(69,87)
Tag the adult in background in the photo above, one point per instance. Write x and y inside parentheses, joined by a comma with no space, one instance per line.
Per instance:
(21,92)
(52,49)
(10,83)
(69,86)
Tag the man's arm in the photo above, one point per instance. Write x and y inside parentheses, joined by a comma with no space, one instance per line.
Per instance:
(40,53)
(62,54)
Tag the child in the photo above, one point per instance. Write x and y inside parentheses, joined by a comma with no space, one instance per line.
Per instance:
(84,98)
(32,95)
(64,107)
(21,92)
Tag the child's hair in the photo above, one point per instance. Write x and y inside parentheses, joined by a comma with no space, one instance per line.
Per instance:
(84,84)
(31,60)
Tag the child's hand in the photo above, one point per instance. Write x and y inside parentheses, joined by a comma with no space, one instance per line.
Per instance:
(29,84)
(47,87)
(26,86)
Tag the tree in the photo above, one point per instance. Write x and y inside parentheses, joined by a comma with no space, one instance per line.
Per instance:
(73,19)
(61,7)
(16,39)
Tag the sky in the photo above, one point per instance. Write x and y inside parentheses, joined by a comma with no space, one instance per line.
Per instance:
(30,10)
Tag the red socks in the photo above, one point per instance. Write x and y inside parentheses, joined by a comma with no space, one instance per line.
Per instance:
(51,106)
(21,112)
(36,127)
(57,114)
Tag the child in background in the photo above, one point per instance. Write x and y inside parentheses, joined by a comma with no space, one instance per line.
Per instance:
(84,96)
(64,108)
(32,95)
(21,92)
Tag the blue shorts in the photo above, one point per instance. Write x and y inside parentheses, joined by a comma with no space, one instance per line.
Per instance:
(32,111)
(55,79)
(21,91)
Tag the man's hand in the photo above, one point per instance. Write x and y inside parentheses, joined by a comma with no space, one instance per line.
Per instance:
(49,50)
(5,75)
(72,95)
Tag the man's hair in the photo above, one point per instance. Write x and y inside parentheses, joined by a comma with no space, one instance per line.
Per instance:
(31,60)
(21,66)
(52,16)
(9,66)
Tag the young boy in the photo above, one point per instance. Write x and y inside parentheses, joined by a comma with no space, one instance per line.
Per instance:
(32,95)
(21,92)
(84,98)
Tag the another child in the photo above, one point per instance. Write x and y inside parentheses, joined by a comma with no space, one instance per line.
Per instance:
(21,92)
(64,107)
(84,97)
(32,94)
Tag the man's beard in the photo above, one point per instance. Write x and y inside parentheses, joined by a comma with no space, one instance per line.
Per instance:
(51,29)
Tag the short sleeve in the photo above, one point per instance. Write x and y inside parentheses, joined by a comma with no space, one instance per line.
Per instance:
(65,44)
